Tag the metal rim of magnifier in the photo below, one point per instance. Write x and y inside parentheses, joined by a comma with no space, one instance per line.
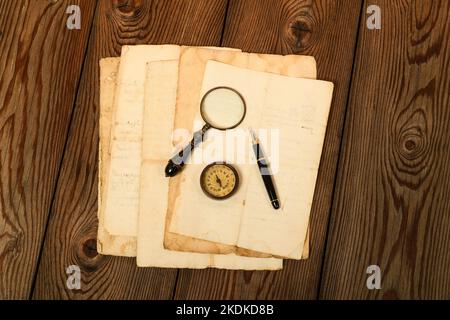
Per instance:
(202,104)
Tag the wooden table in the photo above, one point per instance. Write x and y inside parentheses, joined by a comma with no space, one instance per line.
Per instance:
(383,190)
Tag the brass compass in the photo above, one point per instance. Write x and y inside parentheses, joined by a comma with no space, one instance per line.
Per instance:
(219,180)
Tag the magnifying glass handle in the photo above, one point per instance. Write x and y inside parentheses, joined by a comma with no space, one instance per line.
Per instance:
(175,164)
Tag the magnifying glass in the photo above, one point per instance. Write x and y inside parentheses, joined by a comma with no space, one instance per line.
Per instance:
(221,108)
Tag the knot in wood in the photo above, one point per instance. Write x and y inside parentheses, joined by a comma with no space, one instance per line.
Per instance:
(411,144)
(90,248)
(13,243)
(300,32)
(128,7)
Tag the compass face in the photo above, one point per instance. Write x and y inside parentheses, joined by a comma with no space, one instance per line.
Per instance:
(219,180)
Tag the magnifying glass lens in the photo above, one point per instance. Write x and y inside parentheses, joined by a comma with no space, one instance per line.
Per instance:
(223,108)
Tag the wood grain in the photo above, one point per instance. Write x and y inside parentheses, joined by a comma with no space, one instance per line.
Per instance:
(392,205)
(73,227)
(327,30)
(40,67)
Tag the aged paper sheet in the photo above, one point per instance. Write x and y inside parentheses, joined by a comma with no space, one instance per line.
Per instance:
(122,203)
(295,108)
(106,243)
(158,122)
(192,66)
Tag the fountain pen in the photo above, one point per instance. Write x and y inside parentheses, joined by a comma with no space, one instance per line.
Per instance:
(264,169)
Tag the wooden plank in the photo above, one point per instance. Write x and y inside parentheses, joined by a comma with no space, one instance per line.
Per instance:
(71,237)
(326,30)
(392,205)
(40,67)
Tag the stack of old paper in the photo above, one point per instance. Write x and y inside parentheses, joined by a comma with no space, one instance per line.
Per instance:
(152,91)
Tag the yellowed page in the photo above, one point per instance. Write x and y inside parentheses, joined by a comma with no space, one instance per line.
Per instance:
(298,109)
(159,112)
(192,67)
(108,244)
(122,203)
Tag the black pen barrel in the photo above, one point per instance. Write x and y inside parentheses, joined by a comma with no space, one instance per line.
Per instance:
(266,176)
